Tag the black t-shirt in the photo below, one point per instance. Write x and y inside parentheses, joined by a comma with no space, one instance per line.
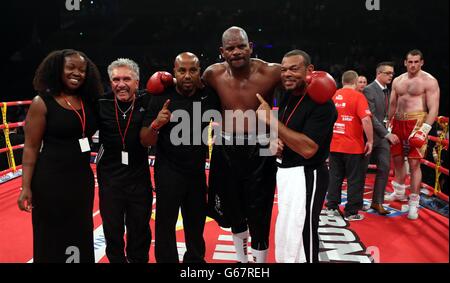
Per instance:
(314,120)
(187,156)
(109,160)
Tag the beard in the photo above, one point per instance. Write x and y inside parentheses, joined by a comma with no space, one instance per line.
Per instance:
(298,88)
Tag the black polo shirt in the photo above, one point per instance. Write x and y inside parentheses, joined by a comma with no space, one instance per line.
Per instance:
(190,156)
(312,119)
(109,159)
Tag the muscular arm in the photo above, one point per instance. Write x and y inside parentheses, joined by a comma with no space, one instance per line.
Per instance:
(275,71)
(208,75)
(432,94)
(393,100)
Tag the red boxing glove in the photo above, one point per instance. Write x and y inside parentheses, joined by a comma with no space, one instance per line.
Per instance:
(158,82)
(321,86)
(419,138)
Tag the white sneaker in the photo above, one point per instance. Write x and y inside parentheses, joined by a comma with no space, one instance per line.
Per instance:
(414,200)
(332,212)
(394,196)
(354,217)
(413,212)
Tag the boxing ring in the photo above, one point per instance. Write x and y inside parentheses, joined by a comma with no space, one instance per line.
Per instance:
(10,183)
(9,149)
(442,144)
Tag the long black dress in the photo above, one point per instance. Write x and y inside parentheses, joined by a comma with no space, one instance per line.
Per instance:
(63,189)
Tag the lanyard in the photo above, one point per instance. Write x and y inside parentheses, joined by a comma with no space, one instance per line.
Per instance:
(128,122)
(82,119)
(292,112)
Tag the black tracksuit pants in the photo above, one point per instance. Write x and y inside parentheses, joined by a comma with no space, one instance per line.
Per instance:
(175,190)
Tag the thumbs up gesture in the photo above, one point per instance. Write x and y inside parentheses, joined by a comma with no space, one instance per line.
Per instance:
(163,116)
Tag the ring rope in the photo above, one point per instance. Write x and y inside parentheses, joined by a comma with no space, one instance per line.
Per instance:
(12,125)
(210,139)
(17,103)
(443,123)
(10,152)
(5,149)
(441,143)
(4,172)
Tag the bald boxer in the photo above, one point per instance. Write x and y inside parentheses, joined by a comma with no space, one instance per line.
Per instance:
(242,183)
(414,105)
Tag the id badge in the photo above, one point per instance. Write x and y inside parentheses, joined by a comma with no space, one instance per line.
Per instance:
(84,144)
(124,157)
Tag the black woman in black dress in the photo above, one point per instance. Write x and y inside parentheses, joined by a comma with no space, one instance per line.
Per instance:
(57,181)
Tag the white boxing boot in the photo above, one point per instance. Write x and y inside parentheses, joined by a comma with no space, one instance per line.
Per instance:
(259,256)
(413,212)
(240,241)
(399,192)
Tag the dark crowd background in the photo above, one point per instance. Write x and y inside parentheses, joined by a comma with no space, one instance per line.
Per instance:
(339,35)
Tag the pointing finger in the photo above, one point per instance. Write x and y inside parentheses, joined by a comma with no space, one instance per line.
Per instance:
(166,104)
(261,100)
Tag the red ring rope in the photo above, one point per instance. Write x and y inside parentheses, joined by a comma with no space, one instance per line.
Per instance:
(12,125)
(439,119)
(17,103)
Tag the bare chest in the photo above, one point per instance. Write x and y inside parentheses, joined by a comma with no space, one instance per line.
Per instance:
(241,94)
(412,87)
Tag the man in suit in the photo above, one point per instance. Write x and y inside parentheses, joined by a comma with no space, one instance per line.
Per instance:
(377,95)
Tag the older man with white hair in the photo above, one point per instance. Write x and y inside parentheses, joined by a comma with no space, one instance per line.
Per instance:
(125,190)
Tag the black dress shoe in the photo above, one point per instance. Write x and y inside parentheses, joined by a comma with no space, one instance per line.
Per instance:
(379,208)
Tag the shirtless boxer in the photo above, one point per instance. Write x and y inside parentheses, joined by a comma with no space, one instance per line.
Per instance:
(414,104)
(241,182)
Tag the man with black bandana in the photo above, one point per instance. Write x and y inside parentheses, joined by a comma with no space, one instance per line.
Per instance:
(125,189)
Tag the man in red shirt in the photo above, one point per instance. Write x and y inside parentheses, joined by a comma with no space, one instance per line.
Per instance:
(348,152)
